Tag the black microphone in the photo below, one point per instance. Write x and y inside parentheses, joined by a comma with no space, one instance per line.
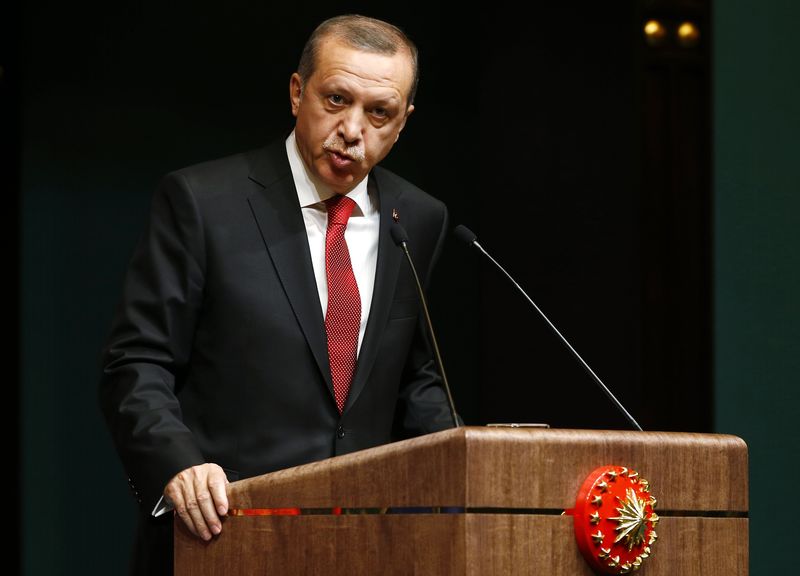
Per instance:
(466,235)
(401,239)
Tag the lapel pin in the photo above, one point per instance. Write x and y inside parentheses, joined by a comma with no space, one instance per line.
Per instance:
(395,215)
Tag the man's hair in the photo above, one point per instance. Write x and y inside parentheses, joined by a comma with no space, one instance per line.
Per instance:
(361,33)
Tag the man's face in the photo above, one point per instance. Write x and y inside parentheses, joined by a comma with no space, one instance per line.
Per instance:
(350,111)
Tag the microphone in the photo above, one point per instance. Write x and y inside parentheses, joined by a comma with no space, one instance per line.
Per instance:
(468,236)
(400,238)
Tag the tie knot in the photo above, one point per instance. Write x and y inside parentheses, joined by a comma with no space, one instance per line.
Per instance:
(339,209)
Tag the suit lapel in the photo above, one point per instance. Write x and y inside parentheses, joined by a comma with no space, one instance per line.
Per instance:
(388,266)
(280,221)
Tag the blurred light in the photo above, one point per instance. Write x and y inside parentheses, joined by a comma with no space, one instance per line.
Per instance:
(688,35)
(654,32)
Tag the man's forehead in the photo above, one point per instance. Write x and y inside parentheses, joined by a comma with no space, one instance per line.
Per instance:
(337,58)
(333,44)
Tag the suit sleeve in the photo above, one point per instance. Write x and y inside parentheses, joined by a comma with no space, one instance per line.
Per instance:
(423,405)
(150,343)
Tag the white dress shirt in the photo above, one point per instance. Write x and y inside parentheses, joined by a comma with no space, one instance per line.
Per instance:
(361,233)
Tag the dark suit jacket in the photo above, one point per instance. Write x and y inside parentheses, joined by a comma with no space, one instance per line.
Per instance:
(218,349)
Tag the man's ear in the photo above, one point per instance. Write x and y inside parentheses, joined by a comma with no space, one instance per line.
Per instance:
(409,110)
(295,92)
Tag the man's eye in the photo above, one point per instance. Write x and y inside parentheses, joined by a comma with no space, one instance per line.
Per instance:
(336,99)
(380,112)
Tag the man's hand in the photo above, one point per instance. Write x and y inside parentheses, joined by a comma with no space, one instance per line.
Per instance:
(198,495)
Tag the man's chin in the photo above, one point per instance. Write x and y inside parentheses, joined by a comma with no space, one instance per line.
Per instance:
(340,181)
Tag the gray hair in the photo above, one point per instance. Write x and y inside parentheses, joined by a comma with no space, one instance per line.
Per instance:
(361,33)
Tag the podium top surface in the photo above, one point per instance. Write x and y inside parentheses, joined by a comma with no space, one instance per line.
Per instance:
(519,468)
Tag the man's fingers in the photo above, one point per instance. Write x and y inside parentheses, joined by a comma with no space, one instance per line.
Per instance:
(194,511)
(217,481)
(178,502)
(197,509)
(192,498)
(205,504)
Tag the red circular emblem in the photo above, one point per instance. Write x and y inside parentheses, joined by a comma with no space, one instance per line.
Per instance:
(614,520)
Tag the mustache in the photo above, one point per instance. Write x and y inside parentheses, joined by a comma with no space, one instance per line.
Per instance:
(338,145)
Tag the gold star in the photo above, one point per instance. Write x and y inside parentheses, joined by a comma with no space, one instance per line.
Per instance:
(625,568)
(597,501)
(594,518)
(598,538)
(654,519)
(653,537)
(602,486)
(612,476)
(653,501)
(604,553)
(614,562)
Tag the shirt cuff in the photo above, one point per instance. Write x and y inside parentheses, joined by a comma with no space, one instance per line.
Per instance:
(162,507)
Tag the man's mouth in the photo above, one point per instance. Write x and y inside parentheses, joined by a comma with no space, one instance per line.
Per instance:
(340,159)
(341,153)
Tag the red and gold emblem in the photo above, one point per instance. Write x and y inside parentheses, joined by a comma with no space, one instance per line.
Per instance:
(614,520)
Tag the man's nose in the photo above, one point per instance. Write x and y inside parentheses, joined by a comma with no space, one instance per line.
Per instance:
(352,125)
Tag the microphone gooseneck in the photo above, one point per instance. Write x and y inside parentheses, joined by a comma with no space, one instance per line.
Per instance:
(466,235)
(400,238)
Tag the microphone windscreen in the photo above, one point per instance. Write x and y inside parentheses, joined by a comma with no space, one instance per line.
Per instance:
(465,234)
(398,234)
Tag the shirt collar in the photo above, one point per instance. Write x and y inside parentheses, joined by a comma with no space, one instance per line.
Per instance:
(311,191)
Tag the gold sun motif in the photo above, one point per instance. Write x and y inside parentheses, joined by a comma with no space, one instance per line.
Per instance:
(632,520)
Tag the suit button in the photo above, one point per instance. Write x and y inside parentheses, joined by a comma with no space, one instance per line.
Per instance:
(340,432)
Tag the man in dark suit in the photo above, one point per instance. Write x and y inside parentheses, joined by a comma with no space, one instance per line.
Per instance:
(249,338)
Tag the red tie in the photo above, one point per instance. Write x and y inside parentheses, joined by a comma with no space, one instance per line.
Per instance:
(343,318)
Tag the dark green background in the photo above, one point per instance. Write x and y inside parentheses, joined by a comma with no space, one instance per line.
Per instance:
(757,259)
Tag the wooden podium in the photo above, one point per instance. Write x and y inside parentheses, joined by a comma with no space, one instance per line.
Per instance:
(478,501)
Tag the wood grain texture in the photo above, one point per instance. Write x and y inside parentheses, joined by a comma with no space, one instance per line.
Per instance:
(694,476)
(447,544)
(331,545)
(511,468)
(517,545)
(544,468)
